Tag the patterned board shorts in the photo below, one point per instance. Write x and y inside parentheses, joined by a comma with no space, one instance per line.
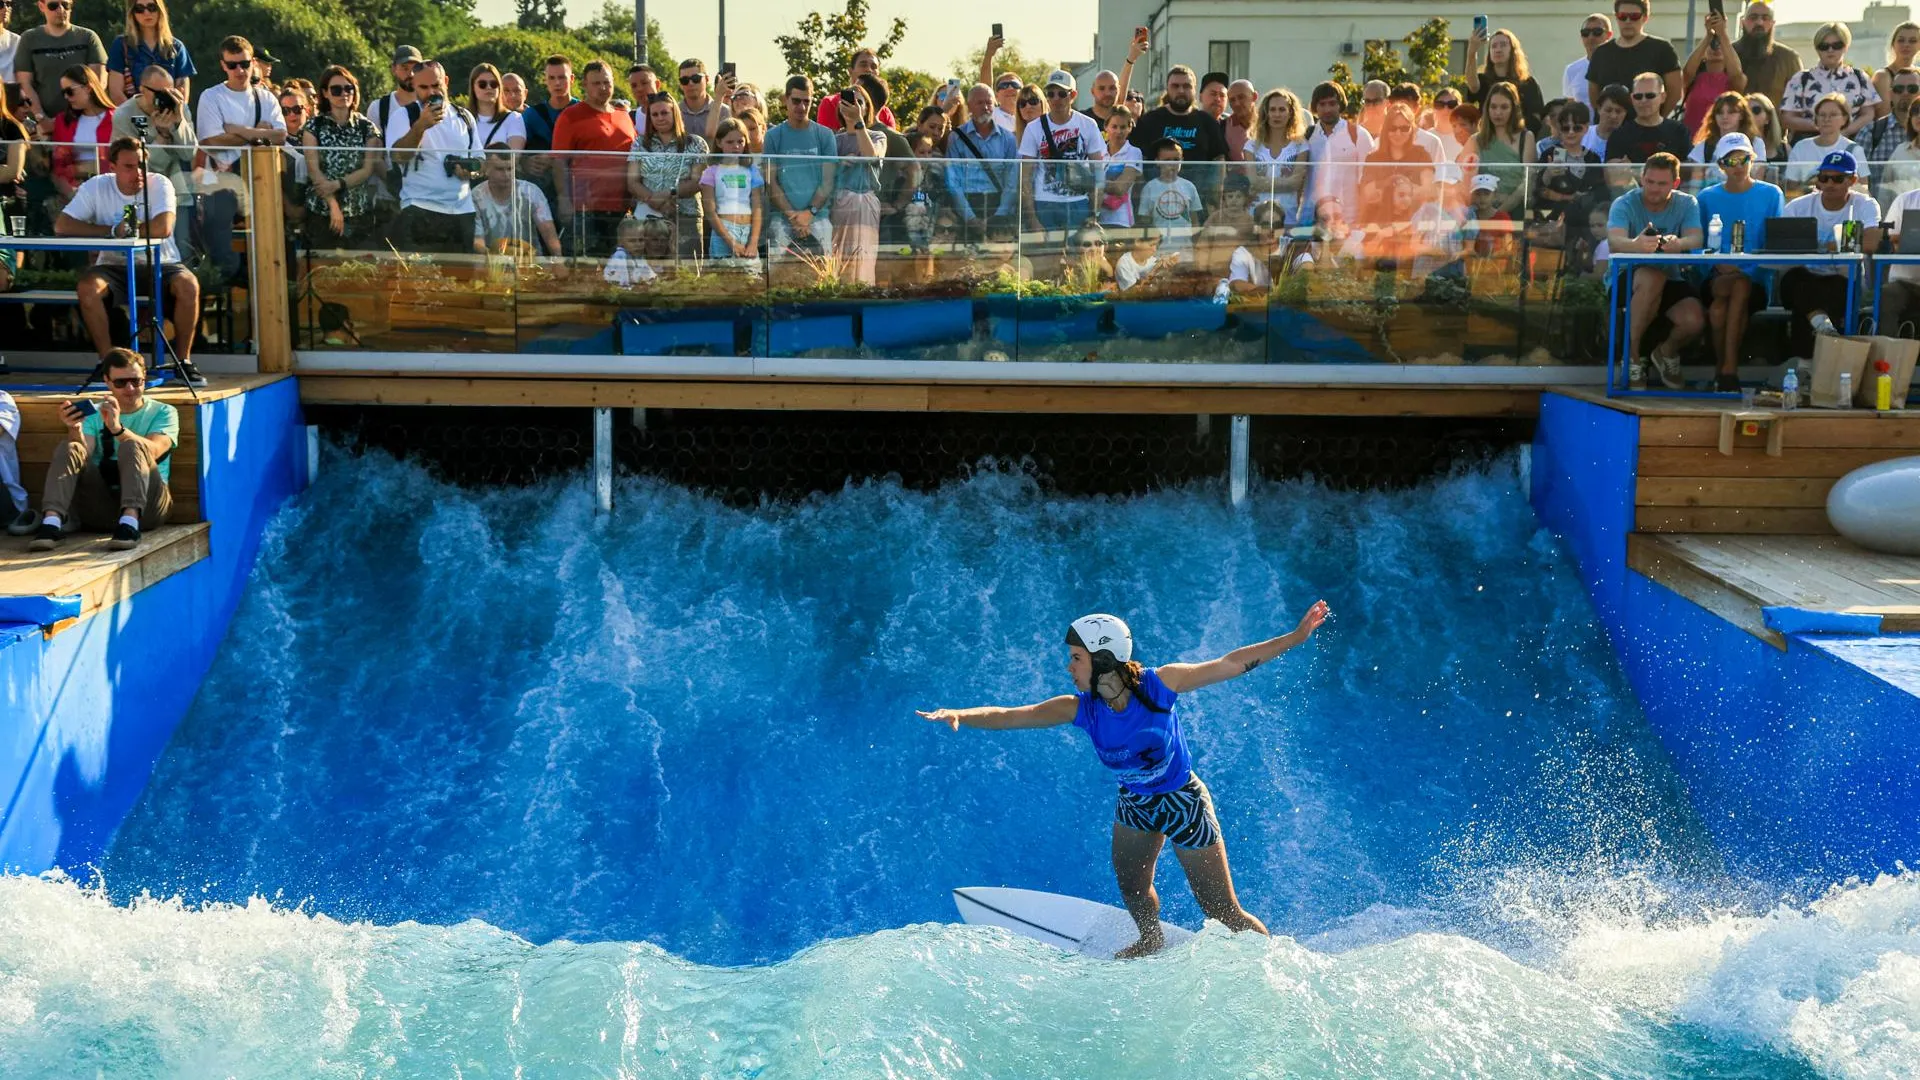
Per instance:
(1185,814)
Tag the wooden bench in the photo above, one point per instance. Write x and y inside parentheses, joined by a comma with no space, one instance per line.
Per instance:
(41,431)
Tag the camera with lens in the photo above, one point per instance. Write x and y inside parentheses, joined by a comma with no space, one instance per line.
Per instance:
(166,100)
(462,168)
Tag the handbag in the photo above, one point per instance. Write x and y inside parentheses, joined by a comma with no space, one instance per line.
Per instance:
(1074,177)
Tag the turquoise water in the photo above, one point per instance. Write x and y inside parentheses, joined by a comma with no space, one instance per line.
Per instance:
(481,786)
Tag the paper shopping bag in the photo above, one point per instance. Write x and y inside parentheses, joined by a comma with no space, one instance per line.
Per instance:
(1833,355)
(1899,353)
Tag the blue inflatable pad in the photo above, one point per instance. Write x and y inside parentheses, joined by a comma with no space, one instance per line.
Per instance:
(11,632)
(1793,620)
(38,610)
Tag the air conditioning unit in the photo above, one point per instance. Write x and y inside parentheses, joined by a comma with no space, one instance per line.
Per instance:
(1347,49)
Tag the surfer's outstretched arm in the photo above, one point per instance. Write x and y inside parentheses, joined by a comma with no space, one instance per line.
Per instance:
(1049,713)
(1181,678)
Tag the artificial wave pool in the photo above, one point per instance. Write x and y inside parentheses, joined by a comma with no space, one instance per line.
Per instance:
(481,785)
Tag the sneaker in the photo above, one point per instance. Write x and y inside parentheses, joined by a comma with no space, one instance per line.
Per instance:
(125,537)
(23,523)
(1637,373)
(46,537)
(1726,382)
(1668,368)
(191,375)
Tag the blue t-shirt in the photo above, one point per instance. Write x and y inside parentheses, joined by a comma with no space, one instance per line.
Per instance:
(1753,206)
(1630,212)
(1146,749)
(131,62)
(800,178)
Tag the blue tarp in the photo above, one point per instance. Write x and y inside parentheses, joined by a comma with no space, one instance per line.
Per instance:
(1793,620)
(38,610)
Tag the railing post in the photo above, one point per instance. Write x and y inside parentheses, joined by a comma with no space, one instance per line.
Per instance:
(267,244)
(1240,462)
(603,459)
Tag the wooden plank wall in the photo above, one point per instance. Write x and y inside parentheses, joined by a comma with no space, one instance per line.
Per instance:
(41,431)
(1686,485)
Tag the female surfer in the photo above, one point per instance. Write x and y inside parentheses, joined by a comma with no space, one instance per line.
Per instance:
(1130,713)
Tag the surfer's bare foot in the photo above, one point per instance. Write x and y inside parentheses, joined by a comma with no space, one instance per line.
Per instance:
(1144,947)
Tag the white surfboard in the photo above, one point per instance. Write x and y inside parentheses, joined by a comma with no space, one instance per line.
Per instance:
(1065,922)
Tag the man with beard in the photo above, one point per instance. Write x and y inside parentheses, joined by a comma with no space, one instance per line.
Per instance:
(1198,134)
(1768,65)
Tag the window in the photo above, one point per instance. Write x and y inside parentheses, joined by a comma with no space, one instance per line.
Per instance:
(1457,55)
(1228,56)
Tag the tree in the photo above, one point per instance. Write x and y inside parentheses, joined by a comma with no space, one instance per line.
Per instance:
(1009,58)
(611,31)
(823,47)
(524,51)
(1429,51)
(542,15)
(909,91)
(304,35)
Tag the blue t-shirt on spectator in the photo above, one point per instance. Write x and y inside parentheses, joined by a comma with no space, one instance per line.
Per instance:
(800,180)
(1753,206)
(131,60)
(1630,212)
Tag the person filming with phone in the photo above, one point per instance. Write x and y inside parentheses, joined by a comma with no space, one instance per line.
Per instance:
(110,472)
(437,154)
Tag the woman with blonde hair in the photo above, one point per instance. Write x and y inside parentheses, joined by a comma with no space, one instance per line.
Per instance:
(147,42)
(1832,75)
(1770,139)
(497,123)
(1277,146)
(1027,108)
(1503,148)
(663,173)
(1903,45)
(86,121)
(1506,62)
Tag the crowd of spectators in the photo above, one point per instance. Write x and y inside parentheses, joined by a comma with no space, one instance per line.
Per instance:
(637,169)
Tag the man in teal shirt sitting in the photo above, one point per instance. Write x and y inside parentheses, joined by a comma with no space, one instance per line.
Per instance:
(114,460)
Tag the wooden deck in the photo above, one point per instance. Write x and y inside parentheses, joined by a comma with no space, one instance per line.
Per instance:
(921,395)
(84,566)
(1736,576)
(1763,482)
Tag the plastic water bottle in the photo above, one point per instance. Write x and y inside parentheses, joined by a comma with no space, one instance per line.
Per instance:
(1846,389)
(1790,388)
(1713,234)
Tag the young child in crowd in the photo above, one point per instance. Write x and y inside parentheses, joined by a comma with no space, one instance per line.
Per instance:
(1122,172)
(1488,230)
(733,191)
(627,267)
(1570,171)
(1169,201)
(922,215)
(1142,261)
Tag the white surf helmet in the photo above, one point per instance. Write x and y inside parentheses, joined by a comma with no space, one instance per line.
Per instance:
(1099,633)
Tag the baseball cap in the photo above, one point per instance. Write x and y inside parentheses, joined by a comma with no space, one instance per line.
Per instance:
(407,54)
(1062,78)
(1736,143)
(265,57)
(1486,182)
(1839,161)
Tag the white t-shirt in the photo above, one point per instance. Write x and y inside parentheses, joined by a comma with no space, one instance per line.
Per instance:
(1595,141)
(426,183)
(101,202)
(1003,120)
(1119,161)
(1271,168)
(733,188)
(1244,266)
(626,270)
(501,127)
(1172,207)
(1803,159)
(1128,271)
(1896,214)
(1337,161)
(1077,138)
(220,106)
(1574,83)
(9,48)
(1858,207)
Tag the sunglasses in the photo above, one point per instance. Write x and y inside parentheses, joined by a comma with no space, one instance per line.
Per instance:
(129,382)
(236,65)
(293,110)
(1628,16)
(1008,85)
(1090,245)
(1735,161)
(145,9)
(486,84)
(1831,46)
(57,5)
(1373,101)
(340,90)
(1646,97)
(1400,129)
(1831,178)
(69,91)
(1757,110)
(689,80)
(1057,92)
(1906,88)
(1448,103)
(1592,31)
(1029,101)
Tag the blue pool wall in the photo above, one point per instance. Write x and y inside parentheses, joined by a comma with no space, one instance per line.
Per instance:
(88,711)
(1805,768)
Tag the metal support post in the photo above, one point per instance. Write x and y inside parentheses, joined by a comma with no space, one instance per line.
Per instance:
(1202,428)
(1241,453)
(603,459)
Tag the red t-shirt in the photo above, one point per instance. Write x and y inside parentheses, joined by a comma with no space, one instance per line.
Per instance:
(830,113)
(596,181)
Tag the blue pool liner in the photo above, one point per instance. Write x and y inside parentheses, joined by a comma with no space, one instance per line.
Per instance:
(1793,620)
(38,610)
